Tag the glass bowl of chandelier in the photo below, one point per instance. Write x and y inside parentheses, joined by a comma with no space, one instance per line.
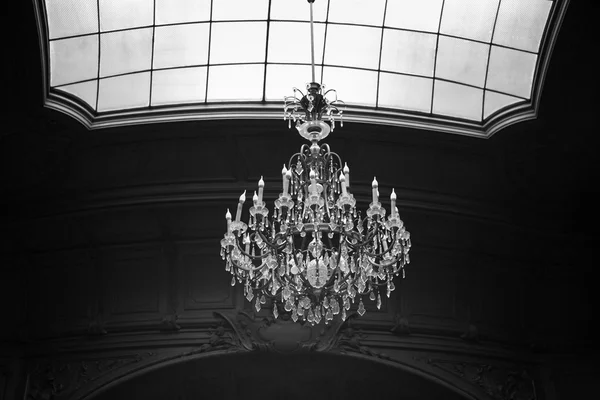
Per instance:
(315,254)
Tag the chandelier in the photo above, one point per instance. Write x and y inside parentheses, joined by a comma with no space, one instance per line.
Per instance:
(316,253)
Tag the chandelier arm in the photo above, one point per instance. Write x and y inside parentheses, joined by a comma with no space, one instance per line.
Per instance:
(386,251)
(272,245)
(249,255)
(247,269)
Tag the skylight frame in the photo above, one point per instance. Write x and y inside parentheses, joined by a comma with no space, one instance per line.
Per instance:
(58,99)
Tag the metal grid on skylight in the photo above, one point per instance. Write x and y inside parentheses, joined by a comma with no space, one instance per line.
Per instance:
(463,59)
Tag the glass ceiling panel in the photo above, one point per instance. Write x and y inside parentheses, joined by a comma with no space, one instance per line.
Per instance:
(353,86)
(462,61)
(511,71)
(354,46)
(496,101)
(408,52)
(224,10)
(122,92)
(177,11)
(238,42)
(120,14)
(470,19)
(181,45)
(71,17)
(184,85)
(284,49)
(73,60)
(125,51)
(235,82)
(421,15)
(298,10)
(86,91)
(379,54)
(345,11)
(405,92)
(521,24)
(281,80)
(457,100)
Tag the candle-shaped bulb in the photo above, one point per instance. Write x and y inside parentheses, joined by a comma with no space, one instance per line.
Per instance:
(284,177)
(228,218)
(255,199)
(375,191)
(347,174)
(238,213)
(343,183)
(313,182)
(393,203)
(261,187)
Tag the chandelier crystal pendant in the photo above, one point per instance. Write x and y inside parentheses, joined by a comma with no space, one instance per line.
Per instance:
(316,253)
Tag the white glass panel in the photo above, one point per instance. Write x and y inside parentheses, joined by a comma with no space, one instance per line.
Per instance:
(181,45)
(353,46)
(298,10)
(365,12)
(235,83)
(71,17)
(240,9)
(73,60)
(521,23)
(127,91)
(421,15)
(353,86)
(408,52)
(511,71)
(175,11)
(237,42)
(457,100)
(405,92)
(181,85)
(496,101)
(462,61)
(281,80)
(286,47)
(471,19)
(123,14)
(86,91)
(125,51)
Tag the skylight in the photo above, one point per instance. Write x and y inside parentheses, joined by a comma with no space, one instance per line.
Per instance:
(447,64)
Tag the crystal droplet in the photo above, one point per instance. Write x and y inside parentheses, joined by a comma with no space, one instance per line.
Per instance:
(257,304)
(262,299)
(250,295)
(233,281)
(288,306)
(372,296)
(343,314)
(378,301)
(361,308)
(294,315)
(275,312)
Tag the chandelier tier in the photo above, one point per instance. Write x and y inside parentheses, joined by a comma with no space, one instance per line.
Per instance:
(316,253)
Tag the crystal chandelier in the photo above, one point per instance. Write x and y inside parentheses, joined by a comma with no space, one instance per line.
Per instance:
(315,254)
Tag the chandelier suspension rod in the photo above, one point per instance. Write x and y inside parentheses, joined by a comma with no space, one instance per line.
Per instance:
(312,40)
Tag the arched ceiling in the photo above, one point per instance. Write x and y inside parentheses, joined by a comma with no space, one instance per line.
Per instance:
(461,66)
